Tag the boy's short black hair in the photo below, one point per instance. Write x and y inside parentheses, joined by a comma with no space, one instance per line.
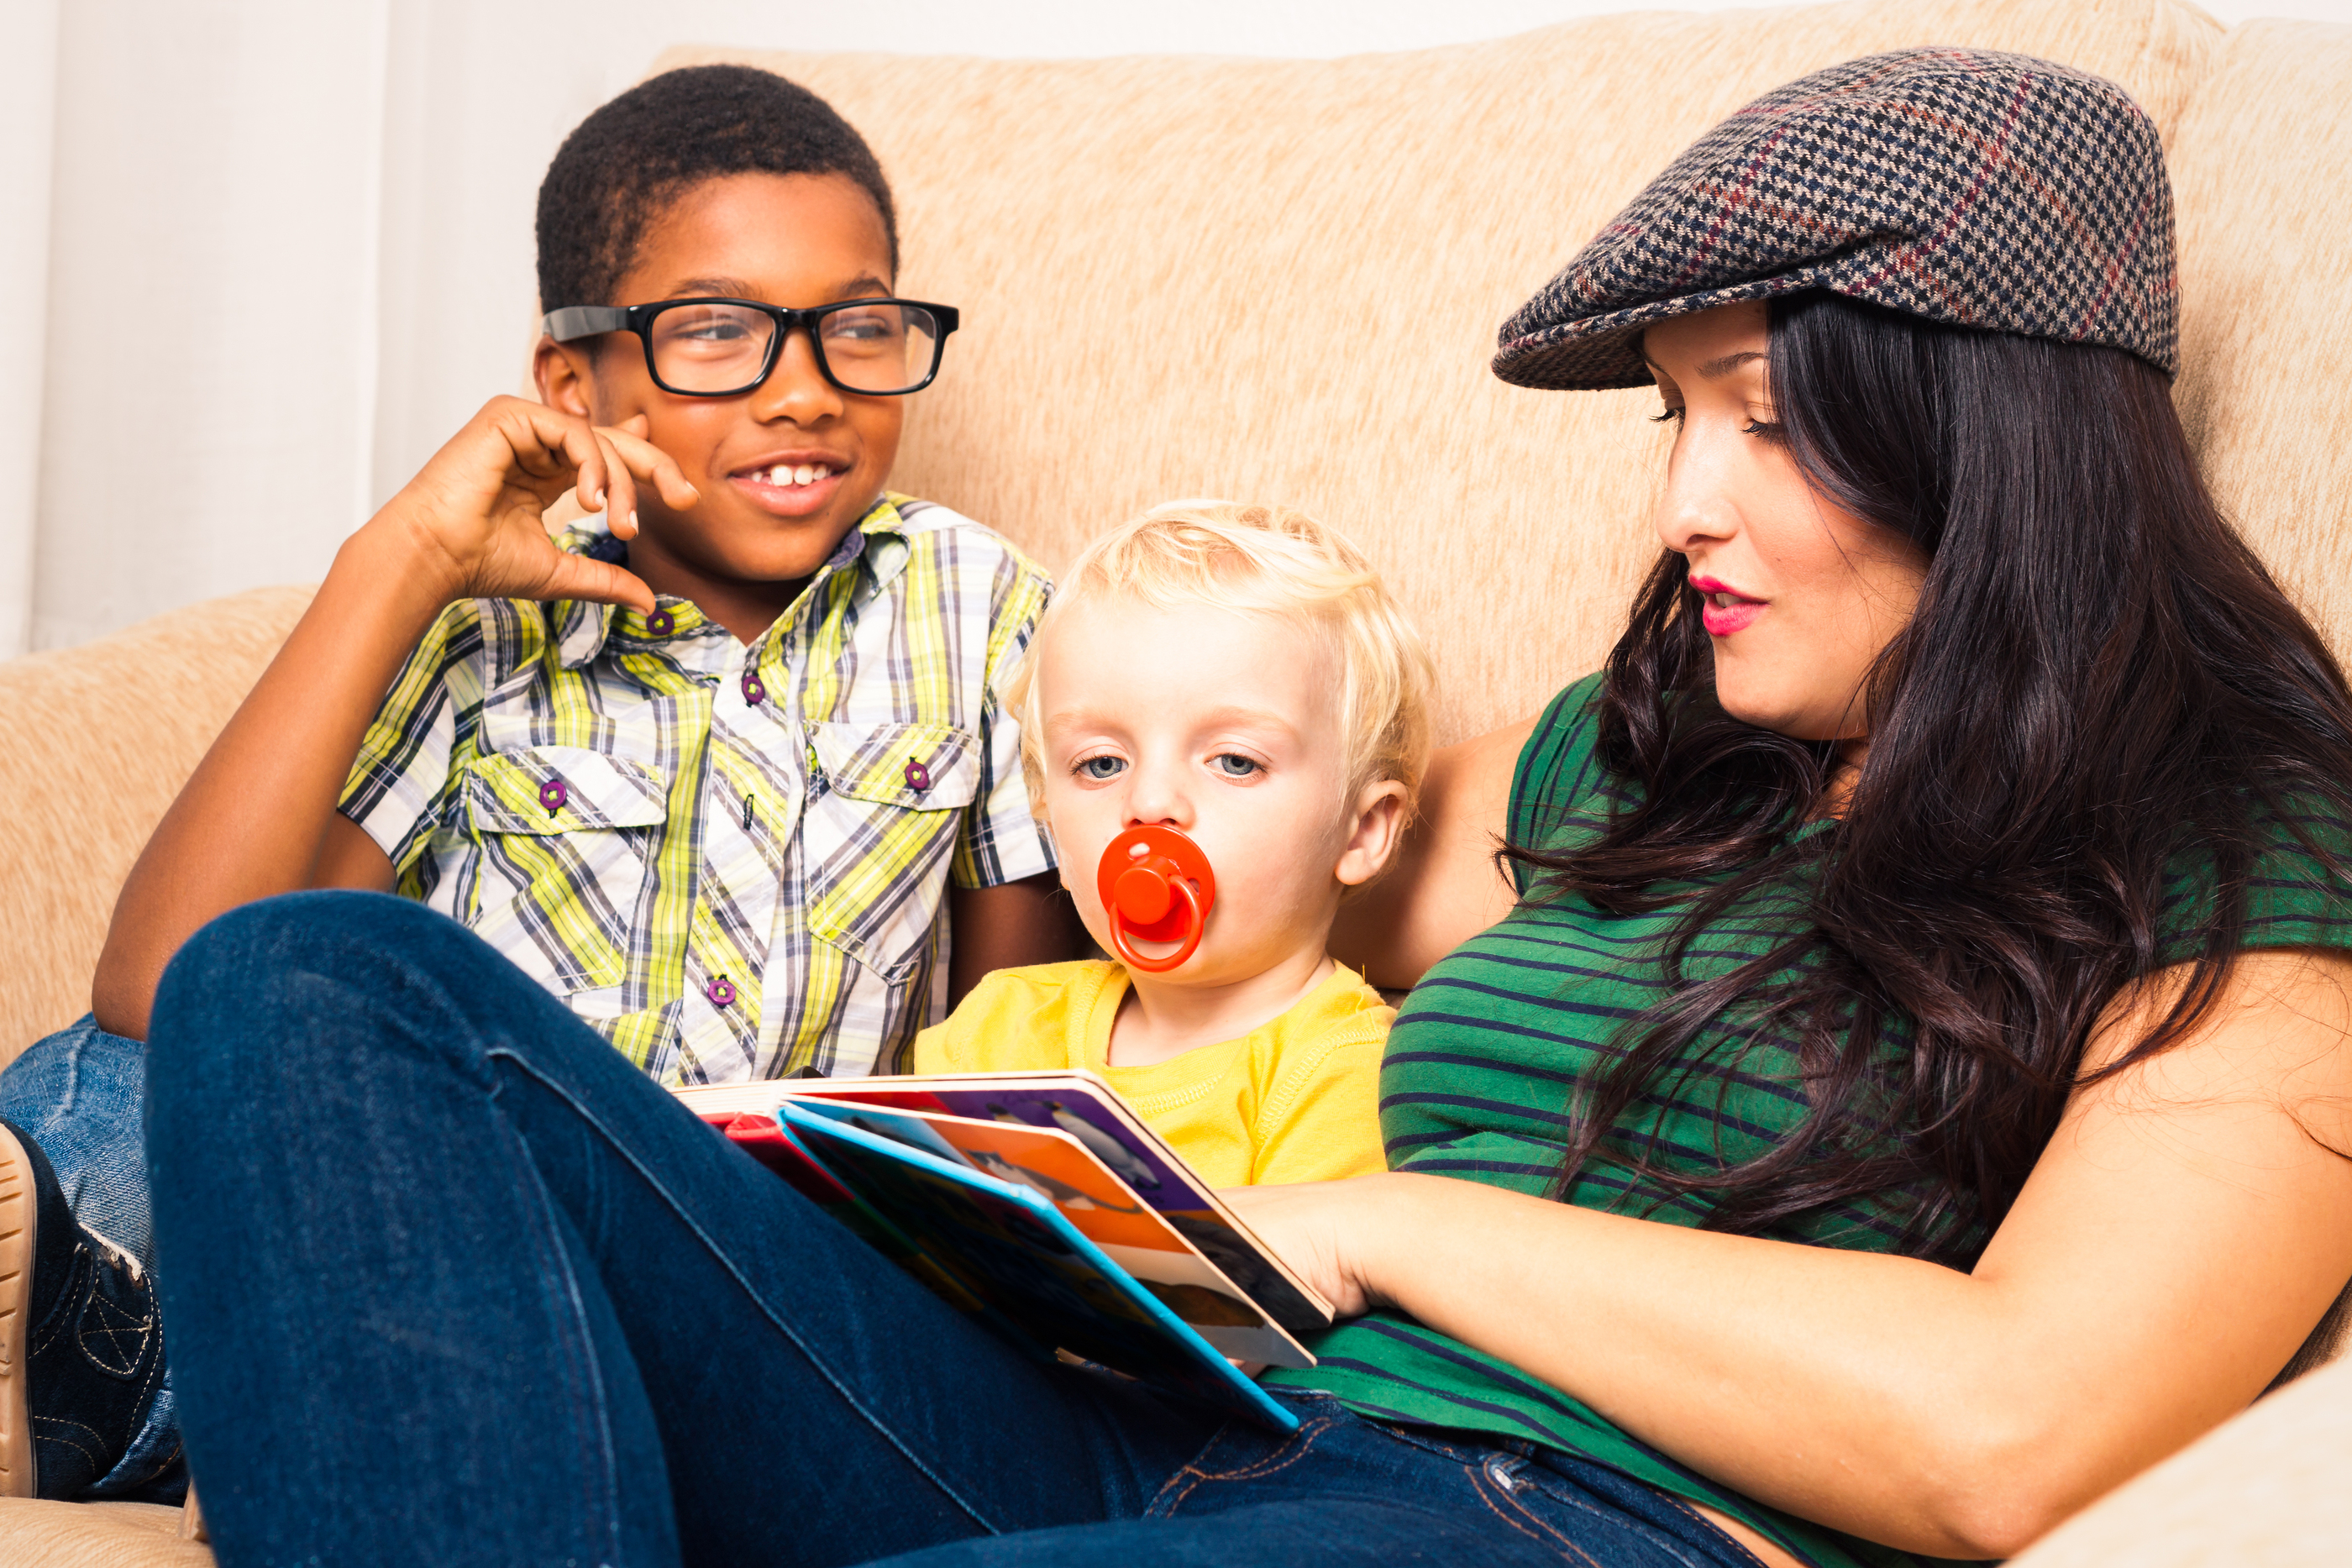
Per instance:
(637,154)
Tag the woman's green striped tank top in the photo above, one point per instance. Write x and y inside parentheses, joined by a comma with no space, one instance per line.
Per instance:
(1486,1052)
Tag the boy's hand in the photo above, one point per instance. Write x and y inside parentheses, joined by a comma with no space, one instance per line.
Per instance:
(477,512)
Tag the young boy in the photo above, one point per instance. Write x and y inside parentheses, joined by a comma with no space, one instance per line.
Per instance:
(1239,675)
(729,769)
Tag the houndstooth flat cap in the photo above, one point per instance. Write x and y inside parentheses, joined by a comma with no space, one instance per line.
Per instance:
(1982,189)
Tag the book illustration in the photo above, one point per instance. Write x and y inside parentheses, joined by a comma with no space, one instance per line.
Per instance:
(1072,1100)
(1068,1174)
(1010,1246)
(1139,1267)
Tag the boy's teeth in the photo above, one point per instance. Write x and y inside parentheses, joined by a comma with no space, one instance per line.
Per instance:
(791,474)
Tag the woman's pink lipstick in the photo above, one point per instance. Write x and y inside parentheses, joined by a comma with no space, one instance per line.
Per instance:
(1722,619)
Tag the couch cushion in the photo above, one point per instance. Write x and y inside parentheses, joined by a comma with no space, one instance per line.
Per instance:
(1281,280)
(2267,1490)
(119,723)
(96,1535)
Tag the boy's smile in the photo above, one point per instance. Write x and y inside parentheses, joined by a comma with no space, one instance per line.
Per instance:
(785,469)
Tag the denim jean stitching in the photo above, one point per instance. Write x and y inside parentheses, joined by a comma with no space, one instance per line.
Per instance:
(720,1256)
(1172,1493)
(93,1455)
(1675,1549)
(1541,1534)
(135,1330)
(1184,1478)
(155,1471)
(156,1368)
(1455,1452)
(1180,1486)
(1292,1450)
(1746,1554)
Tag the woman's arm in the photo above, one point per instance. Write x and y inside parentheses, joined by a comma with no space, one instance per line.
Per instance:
(258,817)
(1444,888)
(2187,1227)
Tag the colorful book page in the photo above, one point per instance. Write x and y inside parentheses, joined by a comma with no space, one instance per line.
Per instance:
(1066,1173)
(1013,1249)
(1090,1111)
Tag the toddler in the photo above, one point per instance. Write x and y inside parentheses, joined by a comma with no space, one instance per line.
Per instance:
(1238,675)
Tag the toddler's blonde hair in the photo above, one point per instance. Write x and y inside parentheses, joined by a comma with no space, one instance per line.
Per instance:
(1262,561)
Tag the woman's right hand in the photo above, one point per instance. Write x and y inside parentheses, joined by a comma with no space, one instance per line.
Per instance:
(475,516)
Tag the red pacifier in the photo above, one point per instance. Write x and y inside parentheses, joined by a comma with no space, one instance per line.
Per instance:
(1156,886)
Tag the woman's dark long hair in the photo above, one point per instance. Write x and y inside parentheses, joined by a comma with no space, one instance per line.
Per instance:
(2100,679)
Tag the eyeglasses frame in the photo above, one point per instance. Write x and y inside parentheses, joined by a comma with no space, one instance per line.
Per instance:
(573,322)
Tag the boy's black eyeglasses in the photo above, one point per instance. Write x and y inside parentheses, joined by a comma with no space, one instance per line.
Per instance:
(723,348)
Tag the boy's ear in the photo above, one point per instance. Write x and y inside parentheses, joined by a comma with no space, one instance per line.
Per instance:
(565,381)
(1373,838)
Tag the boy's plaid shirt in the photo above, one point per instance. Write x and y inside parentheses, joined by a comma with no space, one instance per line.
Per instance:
(727,860)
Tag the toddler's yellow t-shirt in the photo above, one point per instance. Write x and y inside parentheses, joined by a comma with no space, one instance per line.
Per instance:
(1296,1099)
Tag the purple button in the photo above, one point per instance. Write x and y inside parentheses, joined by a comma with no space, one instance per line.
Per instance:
(754,692)
(552,794)
(660,623)
(918,778)
(720,993)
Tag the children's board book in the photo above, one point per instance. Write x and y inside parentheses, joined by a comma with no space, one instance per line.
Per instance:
(1042,1202)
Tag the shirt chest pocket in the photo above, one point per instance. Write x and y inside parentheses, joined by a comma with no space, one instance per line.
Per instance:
(565,838)
(886,804)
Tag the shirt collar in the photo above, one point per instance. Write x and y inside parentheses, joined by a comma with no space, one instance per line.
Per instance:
(877,544)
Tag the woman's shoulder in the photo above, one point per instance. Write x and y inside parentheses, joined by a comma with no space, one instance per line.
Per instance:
(2298,879)
(1561,764)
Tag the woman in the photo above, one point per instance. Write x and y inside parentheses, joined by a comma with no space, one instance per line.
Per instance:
(1917,1007)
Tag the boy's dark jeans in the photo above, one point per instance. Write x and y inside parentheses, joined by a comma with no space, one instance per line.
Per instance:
(447,1281)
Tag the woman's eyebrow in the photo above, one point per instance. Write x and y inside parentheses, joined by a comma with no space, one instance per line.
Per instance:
(1710,370)
(1725,364)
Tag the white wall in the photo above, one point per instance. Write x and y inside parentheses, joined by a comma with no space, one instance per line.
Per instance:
(263,256)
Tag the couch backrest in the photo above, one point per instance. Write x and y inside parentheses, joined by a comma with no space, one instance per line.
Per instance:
(1280,280)
(2262,174)
(100,739)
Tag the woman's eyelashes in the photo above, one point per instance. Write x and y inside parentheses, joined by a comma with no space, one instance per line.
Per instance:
(1757,425)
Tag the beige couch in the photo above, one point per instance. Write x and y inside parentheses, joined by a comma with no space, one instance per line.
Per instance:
(1281,280)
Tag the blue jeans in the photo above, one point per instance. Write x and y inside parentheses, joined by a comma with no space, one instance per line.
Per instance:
(447,1281)
(82,1094)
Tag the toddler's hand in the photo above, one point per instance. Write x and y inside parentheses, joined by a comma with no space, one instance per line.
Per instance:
(476,514)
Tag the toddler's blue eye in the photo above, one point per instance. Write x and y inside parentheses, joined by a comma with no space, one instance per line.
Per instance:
(1234,766)
(1101,769)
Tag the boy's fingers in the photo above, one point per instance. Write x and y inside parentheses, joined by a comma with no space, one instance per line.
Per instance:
(562,448)
(600,583)
(593,459)
(646,461)
(620,486)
